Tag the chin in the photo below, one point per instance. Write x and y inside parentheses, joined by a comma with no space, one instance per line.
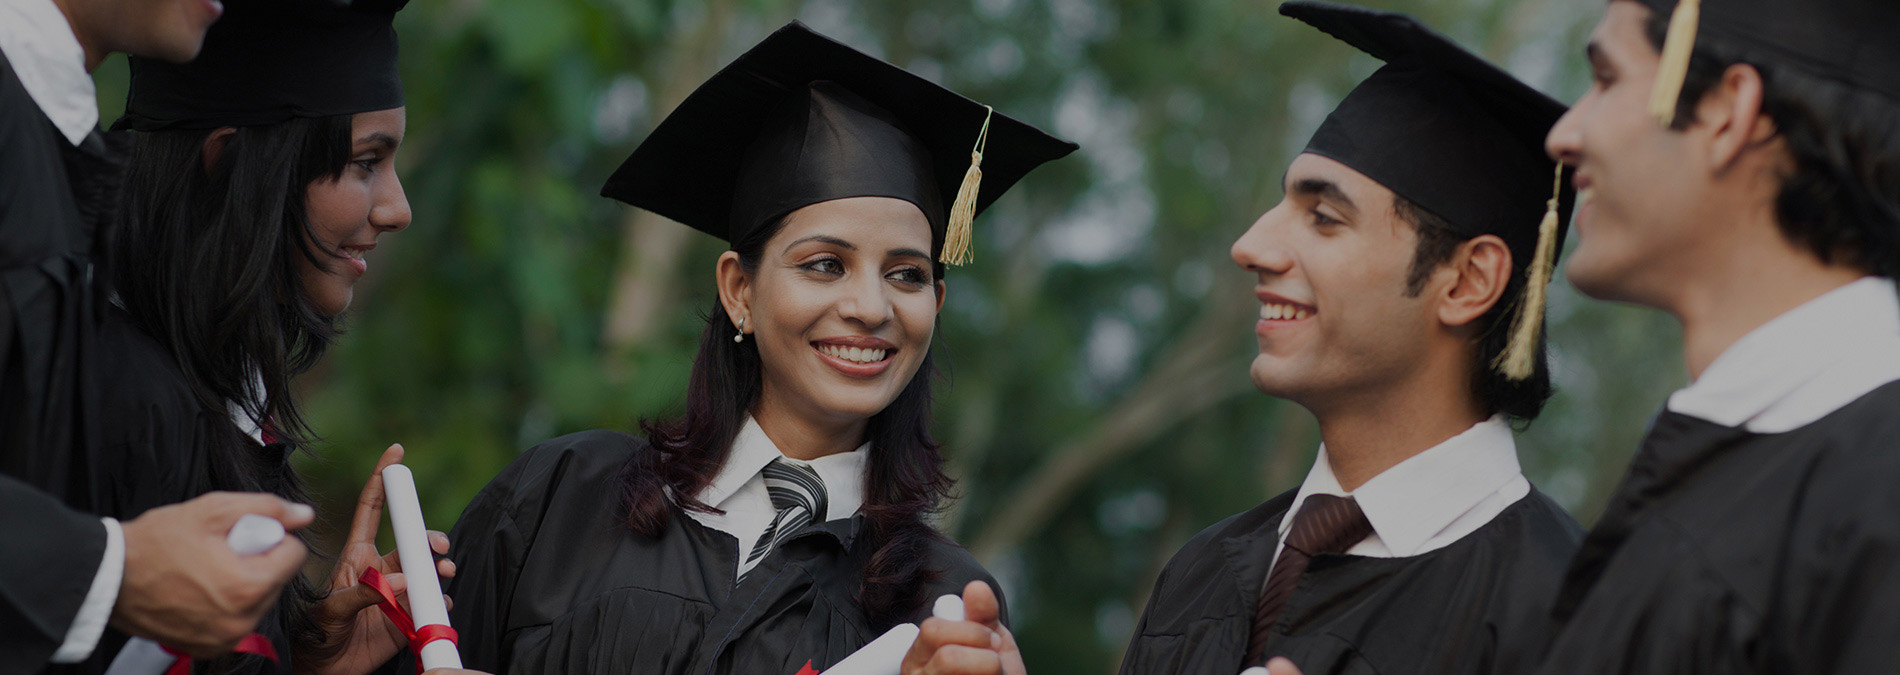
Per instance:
(1270,378)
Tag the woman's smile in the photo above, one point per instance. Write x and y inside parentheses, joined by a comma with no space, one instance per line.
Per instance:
(855,356)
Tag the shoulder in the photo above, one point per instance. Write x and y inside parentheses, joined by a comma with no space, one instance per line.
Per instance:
(1542,528)
(136,369)
(578,463)
(1262,518)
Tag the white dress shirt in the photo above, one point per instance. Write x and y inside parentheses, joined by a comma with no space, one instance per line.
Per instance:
(739,489)
(51,65)
(1431,499)
(1802,365)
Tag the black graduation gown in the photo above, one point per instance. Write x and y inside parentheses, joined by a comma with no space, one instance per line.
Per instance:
(46,312)
(549,581)
(1725,551)
(1448,610)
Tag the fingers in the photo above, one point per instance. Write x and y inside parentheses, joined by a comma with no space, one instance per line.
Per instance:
(962,660)
(349,601)
(445,568)
(282,561)
(980,605)
(1281,666)
(369,503)
(223,509)
(438,542)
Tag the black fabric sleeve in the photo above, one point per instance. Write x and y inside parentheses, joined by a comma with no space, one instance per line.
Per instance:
(46,569)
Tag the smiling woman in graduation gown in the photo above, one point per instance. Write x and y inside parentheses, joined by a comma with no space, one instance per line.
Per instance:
(697,548)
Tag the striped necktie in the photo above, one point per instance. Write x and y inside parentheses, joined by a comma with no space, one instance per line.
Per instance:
(799,496)
(1325,524)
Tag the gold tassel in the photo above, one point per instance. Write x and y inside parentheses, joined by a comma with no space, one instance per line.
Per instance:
(956,237)
(1519,359)
(1674,68)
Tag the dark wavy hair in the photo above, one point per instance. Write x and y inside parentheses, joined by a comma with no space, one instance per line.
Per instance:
(1519,400)
(904,482)
(204,260)
(1841,201)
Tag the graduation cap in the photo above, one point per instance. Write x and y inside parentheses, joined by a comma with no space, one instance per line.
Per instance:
(267,61)
(1457,136)
(802,119)
(1847,41)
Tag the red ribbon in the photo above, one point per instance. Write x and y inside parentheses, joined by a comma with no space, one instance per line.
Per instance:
(397,615)
(251,644)
(808,670)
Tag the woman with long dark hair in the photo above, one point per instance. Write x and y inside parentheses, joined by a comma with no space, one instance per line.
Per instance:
(779,523)
(260,174)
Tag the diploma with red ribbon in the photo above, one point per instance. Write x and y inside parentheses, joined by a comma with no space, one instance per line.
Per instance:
(430,636)
(252,535)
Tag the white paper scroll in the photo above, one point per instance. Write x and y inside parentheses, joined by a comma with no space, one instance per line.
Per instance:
(885,655)
(253,534)
(418,564)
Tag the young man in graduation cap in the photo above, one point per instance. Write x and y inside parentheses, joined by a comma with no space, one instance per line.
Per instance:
(1401,284)
(64,574)
(1740,166)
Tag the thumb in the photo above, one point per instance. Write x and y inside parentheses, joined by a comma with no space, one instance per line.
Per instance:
(282,561)
(1281,666)
(233,505)
(980,604)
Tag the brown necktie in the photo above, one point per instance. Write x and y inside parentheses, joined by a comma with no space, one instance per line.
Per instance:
(1325,524)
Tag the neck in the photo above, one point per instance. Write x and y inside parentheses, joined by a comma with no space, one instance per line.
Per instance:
(95,53)
(805,437)
(1746,289)
(1376,431)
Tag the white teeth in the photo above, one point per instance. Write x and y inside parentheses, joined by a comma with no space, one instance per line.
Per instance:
(854,354)
(1279,312)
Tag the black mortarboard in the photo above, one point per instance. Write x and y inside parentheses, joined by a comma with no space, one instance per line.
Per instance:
(1847,41)
(802,119)
(267,61)
(1456,136)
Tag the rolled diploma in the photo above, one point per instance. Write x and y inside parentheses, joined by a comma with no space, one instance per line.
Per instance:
(418,564)
(253,534)
(885,655)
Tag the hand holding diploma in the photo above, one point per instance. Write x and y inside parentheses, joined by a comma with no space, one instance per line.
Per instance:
(185,587)
(976,645)
(358,637)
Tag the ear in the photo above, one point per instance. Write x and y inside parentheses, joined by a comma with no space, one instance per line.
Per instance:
(1732,111)
(214,146)
(1483,266)
(940,291)
(735,288)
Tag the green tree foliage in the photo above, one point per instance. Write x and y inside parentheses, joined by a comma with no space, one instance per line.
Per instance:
(1096,409)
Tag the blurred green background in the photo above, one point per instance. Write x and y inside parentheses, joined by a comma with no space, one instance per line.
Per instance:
(1097,409)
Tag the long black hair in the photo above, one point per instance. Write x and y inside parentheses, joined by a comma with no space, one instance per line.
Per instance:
(904,481)
(204,260)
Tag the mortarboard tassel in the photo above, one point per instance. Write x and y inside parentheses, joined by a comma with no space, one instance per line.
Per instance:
(1518,361)
(956,237)
(1674,68)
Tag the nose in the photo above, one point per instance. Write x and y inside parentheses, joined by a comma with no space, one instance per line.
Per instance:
(1259,249)
(390,211)
(1564,143)
(865,300)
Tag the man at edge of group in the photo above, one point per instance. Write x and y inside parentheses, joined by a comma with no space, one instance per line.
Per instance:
(1750,187)
(64,575)
(1401,284)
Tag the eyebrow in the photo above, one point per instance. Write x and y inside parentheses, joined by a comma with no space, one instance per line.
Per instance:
(908,253)
(827,239)
(379,138)
(1326,190)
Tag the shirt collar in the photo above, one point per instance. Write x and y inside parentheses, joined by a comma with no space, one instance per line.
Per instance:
(1419,497)
(1802,365)
(843,473)
(51,65)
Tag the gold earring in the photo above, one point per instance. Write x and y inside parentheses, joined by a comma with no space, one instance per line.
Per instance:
(740,337)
